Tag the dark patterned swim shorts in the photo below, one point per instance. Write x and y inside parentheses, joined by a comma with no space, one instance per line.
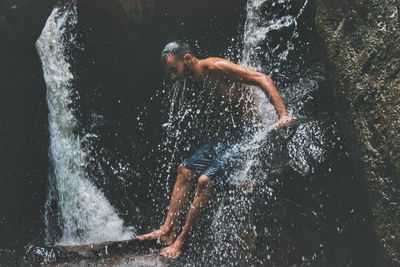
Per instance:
(217,158)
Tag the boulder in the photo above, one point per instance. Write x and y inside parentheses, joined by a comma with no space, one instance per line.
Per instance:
(360,39)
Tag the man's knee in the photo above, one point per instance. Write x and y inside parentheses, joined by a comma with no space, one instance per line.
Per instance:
(204,181)
(183,173)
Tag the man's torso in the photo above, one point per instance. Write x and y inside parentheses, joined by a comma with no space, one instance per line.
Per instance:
(232,100)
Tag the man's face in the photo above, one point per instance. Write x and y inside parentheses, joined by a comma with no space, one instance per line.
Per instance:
(176,69)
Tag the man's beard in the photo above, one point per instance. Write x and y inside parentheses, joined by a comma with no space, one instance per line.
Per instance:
(189,73)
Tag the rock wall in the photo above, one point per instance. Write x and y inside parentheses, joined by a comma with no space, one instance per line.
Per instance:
(361,40)
(23,122)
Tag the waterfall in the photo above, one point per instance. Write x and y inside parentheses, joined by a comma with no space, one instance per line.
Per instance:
(253,36)
(233,226)
(258,53)
(84,214)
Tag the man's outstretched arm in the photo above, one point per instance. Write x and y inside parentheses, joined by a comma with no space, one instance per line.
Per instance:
(244,75)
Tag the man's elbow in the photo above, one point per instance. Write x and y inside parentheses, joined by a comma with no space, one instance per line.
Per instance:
(268,79)
(265,80)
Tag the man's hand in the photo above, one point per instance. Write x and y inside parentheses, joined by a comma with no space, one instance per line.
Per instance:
(284,120)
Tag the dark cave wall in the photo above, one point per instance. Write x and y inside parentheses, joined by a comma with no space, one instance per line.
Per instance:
(23,130)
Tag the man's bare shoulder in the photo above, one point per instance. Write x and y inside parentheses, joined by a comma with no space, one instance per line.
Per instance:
(214,63)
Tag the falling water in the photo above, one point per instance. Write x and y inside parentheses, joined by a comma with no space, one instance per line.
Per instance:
(258,52)
(254,35)
(234,230)
(84,214)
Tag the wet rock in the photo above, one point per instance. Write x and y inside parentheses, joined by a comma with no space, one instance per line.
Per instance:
(121,253)
(295,205)
(23,127)
(149,260)
(362,56)
(311,212)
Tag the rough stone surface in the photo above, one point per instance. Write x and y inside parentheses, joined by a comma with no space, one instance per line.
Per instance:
(23,119)
(121,253)
(362,53)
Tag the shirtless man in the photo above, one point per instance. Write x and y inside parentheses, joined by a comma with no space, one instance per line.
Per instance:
(230,81)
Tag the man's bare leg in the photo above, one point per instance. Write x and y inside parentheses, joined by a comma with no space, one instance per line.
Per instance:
(201,198)
(180,195)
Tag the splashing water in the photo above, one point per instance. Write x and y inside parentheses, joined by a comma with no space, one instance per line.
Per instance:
(84,214)
(259,51)
(233,226)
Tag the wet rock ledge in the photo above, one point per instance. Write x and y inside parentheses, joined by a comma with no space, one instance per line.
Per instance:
(121,253)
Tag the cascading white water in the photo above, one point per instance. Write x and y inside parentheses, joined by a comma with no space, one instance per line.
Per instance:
(85,215)
(233,227)
(256,31)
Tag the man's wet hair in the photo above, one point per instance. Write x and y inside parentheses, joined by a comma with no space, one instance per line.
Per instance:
(176,48)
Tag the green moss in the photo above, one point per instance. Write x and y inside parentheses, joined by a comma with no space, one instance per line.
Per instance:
(3,22)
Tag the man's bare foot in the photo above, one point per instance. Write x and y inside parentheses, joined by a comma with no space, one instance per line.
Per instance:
(163,235)
(172,251)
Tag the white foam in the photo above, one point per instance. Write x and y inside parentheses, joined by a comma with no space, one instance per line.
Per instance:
(85,215)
